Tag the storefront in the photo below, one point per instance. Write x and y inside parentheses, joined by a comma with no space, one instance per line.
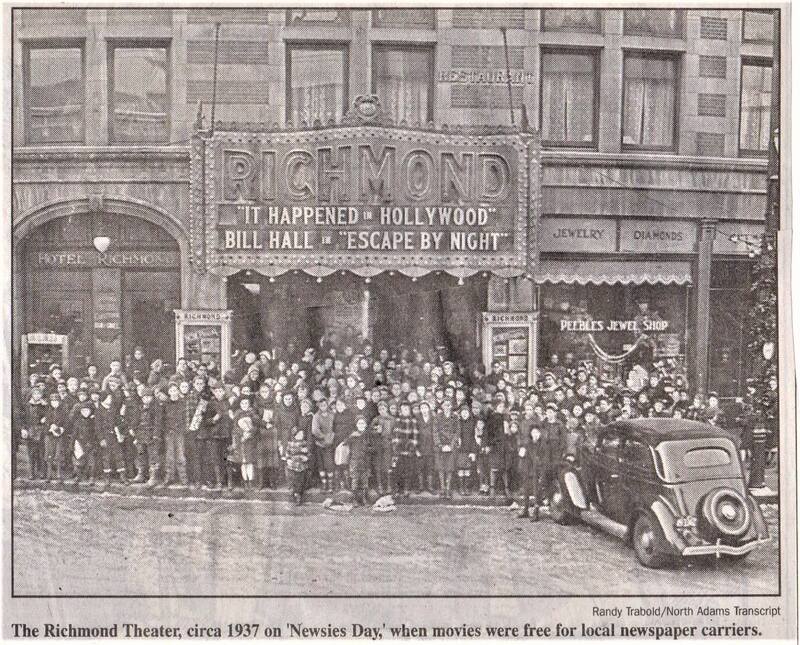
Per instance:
(101,283)
(365,230)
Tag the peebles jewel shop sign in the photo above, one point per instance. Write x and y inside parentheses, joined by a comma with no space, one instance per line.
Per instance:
(366,198)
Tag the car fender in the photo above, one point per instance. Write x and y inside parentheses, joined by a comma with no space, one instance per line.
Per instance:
(572,484)
(759,524)
(666,519)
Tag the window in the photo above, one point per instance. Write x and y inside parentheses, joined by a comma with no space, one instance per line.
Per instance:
(654,22)
(316,83)
(637,454)
(755,102)
(650,84)
(54,94)
(139,98)
(706,457)
(584,20)
(402,77)
(317,16)
(609,445)
(758,26)
(569,98)
(409,18)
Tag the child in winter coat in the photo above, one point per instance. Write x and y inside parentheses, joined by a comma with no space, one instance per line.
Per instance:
(296,464)
(244,442)
(359,465)
(33,432)
(85,449)
(55,425)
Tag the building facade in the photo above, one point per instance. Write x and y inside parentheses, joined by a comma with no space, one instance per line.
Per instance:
(653,127)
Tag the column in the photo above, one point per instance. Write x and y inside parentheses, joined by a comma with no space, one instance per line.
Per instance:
(708,229)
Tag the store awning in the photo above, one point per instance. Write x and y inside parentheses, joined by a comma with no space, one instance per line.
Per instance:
(613,272)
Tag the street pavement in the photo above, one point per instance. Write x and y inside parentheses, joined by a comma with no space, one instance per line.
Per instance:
(68,543)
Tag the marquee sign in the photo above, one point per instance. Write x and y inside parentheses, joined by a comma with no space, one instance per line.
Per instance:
(365,197)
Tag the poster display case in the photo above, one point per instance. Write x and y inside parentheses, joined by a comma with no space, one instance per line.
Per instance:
(204,335)
(40,350)
(511,339)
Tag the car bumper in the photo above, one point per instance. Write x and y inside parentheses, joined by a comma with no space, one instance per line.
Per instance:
(722,549)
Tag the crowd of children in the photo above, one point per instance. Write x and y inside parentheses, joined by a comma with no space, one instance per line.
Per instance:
(334,418)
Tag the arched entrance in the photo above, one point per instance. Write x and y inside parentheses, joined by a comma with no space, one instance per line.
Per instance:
(105,303)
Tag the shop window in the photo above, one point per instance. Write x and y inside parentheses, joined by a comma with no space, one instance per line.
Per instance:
(569,98)
(408,18)
(650,88)
(755,102)
(316,83)
(139,97)
(758,26)
(666,23)
(317,16)
(729,307)
(54,94)
(582,20)
(402,77)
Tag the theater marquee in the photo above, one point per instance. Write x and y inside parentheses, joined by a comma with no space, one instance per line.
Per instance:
(366,197)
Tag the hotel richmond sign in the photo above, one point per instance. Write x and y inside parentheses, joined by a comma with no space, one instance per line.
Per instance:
(365,197)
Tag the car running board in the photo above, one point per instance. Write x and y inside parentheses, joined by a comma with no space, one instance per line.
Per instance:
(597,519)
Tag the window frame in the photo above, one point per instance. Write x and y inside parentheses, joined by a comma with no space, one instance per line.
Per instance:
(343,19)
(674,56)
(27,46)
(594,52)
(403,46)
(680,34)
(751,61)
(376,24)
(544,29)
(144,43)
(757,40)
(334,45)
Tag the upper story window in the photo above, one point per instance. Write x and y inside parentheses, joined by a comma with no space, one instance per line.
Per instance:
(585,20)
(654,22)
(138,92)
(402,77)
(54,94)
(756,102)
(316,83)
(409,18)
(569,98)
(758,26)
(317,16)
(649,101)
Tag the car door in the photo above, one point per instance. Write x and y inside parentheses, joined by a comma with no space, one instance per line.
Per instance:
(608,478)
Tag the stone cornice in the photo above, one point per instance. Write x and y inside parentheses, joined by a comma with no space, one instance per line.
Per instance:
(93,154)
(552,157)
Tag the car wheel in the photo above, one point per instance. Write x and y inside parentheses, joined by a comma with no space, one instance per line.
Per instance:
(649,542)
(562,510)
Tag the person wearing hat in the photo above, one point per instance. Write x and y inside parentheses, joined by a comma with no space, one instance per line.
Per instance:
(109,431)
(55,426)
(380,440)
(493,440)
(243,443)
(358,460)
(426,462)
(148,440)
(286,420)
(530,457)
(405,442)
(174,433)
(84,442)
(323,436)
(446,439)
(33,431)
(552,432)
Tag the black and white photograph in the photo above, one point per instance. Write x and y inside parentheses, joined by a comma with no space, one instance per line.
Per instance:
(400,302)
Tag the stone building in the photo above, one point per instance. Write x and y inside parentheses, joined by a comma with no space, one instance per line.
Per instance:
(654,127)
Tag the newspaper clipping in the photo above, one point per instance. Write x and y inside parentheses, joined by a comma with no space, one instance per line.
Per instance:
(379,323)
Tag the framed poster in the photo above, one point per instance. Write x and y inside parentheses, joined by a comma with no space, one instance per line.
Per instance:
(511,339)
(39,351)
(204,335)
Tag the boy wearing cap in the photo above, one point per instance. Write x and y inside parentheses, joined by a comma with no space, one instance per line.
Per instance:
(85,442)
(426,468)
(405,439)
(446,435)
(55,424)
(174,437)
(380,439)
(108,428)
(33,432)
(323,436)
(359,467)
(148,440)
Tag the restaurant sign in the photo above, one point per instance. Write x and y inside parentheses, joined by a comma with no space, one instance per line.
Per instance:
(366,197)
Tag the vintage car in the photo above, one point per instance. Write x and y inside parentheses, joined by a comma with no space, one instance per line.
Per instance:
(672,488)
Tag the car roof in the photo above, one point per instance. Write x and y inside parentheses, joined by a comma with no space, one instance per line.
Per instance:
(654,431)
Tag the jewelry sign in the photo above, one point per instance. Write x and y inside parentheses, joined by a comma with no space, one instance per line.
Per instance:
(368,197)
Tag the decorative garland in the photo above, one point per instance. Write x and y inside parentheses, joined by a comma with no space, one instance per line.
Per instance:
(610,358)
